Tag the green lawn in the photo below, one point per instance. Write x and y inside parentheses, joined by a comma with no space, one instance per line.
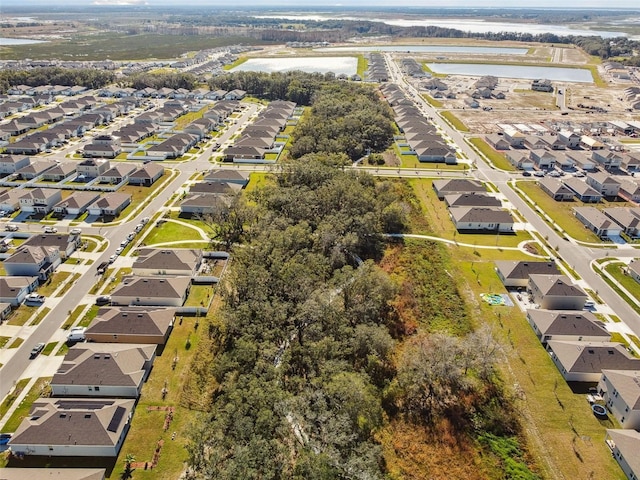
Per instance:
(17,342)
(199,295)
(49,348)
(68,285)
(8,401)
(116,281)
(560,212)
(39,389)
(617,271)
(432,101)
(496,158)
(89,316)
(53,283)
(21,315)
(454,121)
(41,314)
(3,341)
(171,231)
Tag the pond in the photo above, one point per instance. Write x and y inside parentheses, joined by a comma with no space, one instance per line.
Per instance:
(337,65)
(18,41)
(428,49)
(557,74)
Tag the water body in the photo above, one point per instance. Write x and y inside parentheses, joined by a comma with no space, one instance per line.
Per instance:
(557,74)
(18,41)
(428,49)
(337,65)
(464,24)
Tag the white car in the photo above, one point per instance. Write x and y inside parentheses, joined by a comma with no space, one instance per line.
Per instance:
(113,258)
(119,250)
(49,229)
(75,231)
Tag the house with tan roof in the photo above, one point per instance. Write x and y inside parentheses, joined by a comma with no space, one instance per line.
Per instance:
(14,289)
(481,219)
(110,205)
(146,175)
(555,189)
(33,262)
(103,370)
(146,325)
(585,361)
(604,183)
(555,292)
(621,392)
(39,200)
(596,221)
(74,427)
(76,203)
(583,191)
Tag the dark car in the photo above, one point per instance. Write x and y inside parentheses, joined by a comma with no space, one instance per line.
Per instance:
(103,300)
(35,351)
(526,174)
(4,438)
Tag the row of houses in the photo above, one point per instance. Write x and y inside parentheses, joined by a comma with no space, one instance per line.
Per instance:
(471,208)
(580,346)
(217,186)
(546,151)
(610,222)
(377,69)
(95,391)
(264,135)
(419,134)
(593,189)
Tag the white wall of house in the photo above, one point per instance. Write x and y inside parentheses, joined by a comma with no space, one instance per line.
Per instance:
(627,417)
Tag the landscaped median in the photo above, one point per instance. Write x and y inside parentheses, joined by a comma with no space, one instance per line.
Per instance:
(454,121)
(614,273)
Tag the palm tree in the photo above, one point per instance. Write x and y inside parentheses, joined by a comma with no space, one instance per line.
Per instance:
(128,471)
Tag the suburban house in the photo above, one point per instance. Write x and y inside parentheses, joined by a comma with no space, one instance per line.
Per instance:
(580,326)
(39,200)
(14,289)
(514,136)
(472,200)
(543,159)
(630,161)
(603,183)
(515,273)
(10,200)
(66,244)
(152,291)
(76,427)
(498,142)
(106,146)
(629,191)
(519,159)
(110,205)
(607,158)
(555,189)
(59,172)
(12,163)
(585,361)
(457,185)
(103,370)
(76,203)
(624,445)
(146,175)
(5,310)
(482,219)
(178,262)
(33,262)
(93,168)
(634,269)
(590,143)
(621,392)
(596,221)
(198,204)
(627,218)
(227,176)
(582,160)
(569,139)
(555,292)
(583,191)
(35,169)
(131,325)
(118,173)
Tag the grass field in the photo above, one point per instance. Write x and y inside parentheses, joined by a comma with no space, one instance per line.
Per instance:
(454,121)
(496,158)
(560,212)
(171,231)
(9,399)
(39,389)
(432,101)
(21,315)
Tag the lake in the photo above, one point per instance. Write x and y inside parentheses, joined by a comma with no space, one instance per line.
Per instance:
(428,49)
(337,65)
(557,74)
(18,41)
(464,24)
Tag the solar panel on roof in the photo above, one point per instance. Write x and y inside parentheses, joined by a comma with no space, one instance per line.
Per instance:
(116,419)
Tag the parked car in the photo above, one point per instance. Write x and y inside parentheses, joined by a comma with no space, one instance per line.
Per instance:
(34,298)
(76,231)
(103,300)
(112,258)
(119,250)
(48,229)
(76,334)
(131,236)
(35,351)
(11,227)
(526,173)
(124,243)
(4,438)
(139,227)
(145,220)
(538,174)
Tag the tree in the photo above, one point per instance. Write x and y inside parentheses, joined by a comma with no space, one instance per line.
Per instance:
(228,220)
(128,469)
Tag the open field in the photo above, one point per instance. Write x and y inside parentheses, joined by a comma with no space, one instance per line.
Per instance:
(496,158)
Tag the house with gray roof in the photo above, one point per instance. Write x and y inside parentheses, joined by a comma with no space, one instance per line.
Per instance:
(147,175)
(457,185)
(10,200)
(49,473)
(624,445)
(583,191)
(627,218)
(596,221)
(227,176)
(118,173)
(29,261)
(604,183)
(497,141)
(110,205)
(75,427)
(555,189)
(472,200)
(565,325)
(59,172)
(66,244)
(629,191)
(14,289)
(152,291)
(164,261)
(148,325)
(76,204)
(103,370)
(482,219)
(633,270)
(555,292)
(515,273)
(585,361)
(519,159)
(12,163)
(39,200)
(582,160)
(621,392)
